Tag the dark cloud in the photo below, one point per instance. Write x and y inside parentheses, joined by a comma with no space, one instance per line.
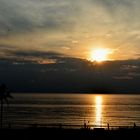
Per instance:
(65,75)
(41,54)
(26,16)
(30,56)
(11,18)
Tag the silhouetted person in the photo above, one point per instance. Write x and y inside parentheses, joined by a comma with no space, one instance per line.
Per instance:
(88,127)
(134,125)
(85,125)
(107,126)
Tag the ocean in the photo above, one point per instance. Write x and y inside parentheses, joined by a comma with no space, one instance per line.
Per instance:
(72,109)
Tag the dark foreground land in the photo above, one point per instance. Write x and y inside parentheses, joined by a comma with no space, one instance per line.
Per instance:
(69,134)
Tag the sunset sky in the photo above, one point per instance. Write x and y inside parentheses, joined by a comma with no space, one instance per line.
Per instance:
(53,45)
(73,28)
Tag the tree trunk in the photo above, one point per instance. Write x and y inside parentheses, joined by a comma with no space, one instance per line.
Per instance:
(1,115)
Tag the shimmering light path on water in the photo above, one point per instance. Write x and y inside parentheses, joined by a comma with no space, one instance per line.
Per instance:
(98,110)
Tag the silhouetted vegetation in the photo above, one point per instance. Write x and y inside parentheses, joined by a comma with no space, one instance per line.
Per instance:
(4,96)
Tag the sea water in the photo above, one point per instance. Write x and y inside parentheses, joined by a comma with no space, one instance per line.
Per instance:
(72,109)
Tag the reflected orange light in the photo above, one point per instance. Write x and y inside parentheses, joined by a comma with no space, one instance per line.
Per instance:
(98,110)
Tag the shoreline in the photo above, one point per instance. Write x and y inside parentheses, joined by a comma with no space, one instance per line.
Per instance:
(68,134)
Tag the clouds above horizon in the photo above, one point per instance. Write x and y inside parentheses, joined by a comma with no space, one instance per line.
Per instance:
(71,26)
(65,75)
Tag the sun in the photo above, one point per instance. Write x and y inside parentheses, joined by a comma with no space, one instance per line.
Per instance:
(99,55)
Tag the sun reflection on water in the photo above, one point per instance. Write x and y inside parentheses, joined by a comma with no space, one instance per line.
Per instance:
(98,110)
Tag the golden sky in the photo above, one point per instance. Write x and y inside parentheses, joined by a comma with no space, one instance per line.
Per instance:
(71,27)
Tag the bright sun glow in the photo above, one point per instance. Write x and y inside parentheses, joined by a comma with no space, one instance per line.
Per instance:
(99,55)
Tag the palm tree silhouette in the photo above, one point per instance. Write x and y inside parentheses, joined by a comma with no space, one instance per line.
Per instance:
(4,95)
